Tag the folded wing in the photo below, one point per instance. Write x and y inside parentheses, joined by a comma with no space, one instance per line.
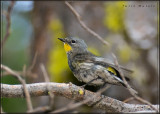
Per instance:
(108,64)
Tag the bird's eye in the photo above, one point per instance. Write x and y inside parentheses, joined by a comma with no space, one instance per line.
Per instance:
(73,41)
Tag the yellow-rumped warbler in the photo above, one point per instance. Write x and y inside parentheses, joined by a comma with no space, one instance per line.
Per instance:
(88,68)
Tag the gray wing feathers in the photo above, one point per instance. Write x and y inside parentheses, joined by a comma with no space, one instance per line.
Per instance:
(111,63)
(90,58)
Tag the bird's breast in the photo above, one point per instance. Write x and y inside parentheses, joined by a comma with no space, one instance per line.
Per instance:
(72,64)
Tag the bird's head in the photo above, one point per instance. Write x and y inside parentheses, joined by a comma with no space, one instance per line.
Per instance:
(74,45)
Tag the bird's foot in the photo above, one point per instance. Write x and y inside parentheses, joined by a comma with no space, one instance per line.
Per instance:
(83,86)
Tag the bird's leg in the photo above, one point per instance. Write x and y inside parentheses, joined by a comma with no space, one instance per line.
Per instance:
(83,86)
(106,85)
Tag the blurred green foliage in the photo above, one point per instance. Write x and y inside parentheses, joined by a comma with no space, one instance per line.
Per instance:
(126,53)
(114,15)
(13,105)
(57,62)
(94,51)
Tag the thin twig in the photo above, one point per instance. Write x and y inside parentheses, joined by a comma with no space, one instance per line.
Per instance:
(84,25)
(8,19)
(23,73)
(33,62)
(28,98)
(46,78)
(41,109)
(26,71)
(132,91)
(5,73)
(128,86)
(70,106)
(128,99)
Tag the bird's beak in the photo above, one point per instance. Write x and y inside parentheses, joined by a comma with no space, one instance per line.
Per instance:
(62,39)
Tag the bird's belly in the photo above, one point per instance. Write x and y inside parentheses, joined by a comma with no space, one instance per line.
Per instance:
(87,76)
(97,82)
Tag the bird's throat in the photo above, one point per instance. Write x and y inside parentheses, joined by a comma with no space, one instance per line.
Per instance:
(67,47)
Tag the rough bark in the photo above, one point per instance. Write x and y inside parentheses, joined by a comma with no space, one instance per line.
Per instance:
(73,92)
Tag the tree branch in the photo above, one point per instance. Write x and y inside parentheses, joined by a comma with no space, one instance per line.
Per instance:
(129,87)
(75,105)
(26,93)
(73,92)
(84,25)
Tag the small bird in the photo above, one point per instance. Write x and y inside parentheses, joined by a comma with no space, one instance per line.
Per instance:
(89,68)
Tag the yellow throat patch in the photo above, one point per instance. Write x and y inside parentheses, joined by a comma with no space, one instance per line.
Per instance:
(67,47)
(111,70)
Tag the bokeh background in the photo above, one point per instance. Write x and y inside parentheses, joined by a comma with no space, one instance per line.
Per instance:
(131,27)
